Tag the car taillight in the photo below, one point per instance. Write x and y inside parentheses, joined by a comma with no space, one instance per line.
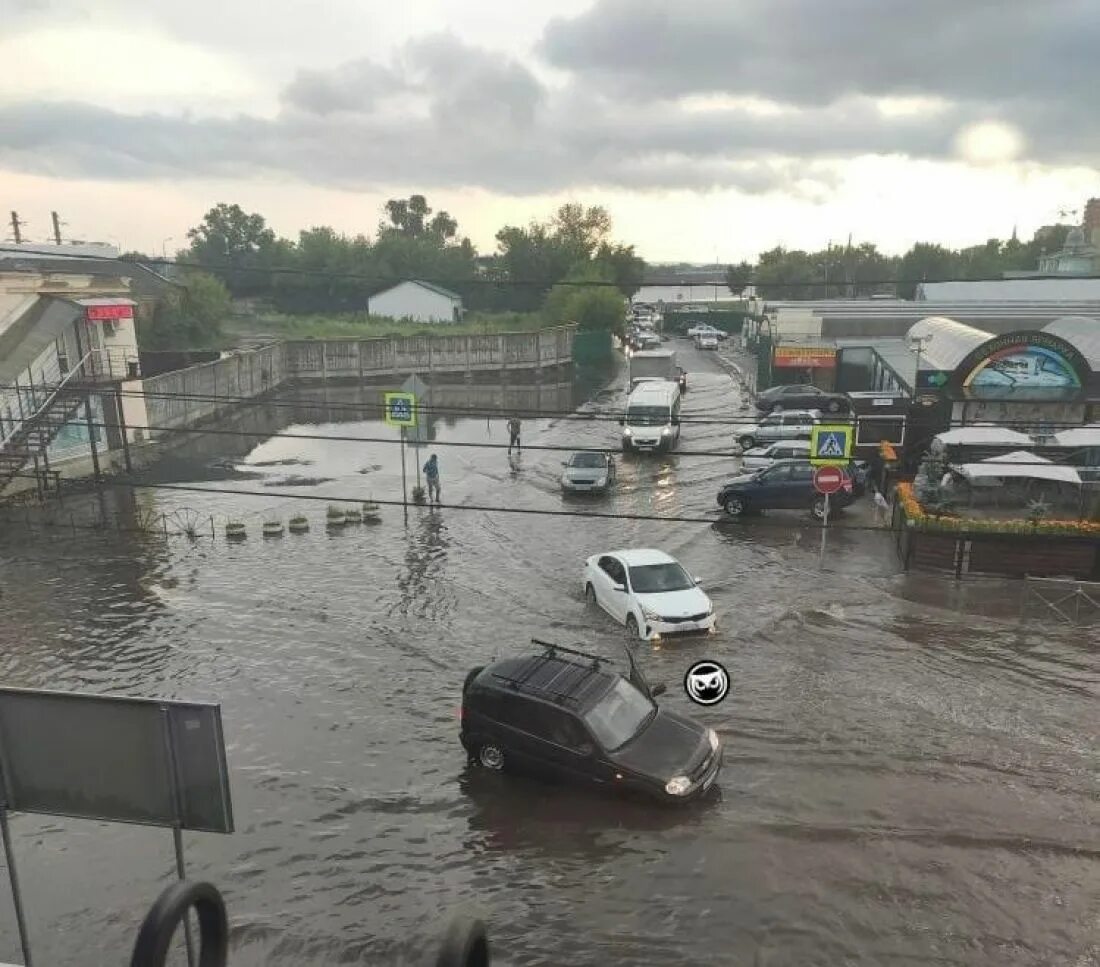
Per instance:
(461,712)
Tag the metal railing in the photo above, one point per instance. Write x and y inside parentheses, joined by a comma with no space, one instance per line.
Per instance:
(466,943)
(34,399)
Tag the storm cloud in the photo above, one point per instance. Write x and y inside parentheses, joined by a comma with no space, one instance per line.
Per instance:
(757,96)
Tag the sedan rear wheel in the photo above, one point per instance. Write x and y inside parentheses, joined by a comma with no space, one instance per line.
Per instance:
(491,756)
(817,508)
(777,407)
(834,406)
(747,442)
(734,506)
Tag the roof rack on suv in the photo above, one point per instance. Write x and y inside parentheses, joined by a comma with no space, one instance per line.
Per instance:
(597,660)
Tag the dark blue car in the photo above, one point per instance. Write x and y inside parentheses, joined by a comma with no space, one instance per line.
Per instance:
(785,485)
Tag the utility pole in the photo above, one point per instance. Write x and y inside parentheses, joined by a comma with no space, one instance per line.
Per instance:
(15,225)
(56,227)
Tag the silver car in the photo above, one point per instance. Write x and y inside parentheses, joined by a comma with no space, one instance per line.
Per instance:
(787,425)
(759,457)
(588,471)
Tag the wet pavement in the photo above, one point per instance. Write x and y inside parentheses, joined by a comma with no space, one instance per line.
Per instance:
(911,774)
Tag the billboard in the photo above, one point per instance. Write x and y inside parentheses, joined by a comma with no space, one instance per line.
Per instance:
(126,760)
(1023,363)
(804,357)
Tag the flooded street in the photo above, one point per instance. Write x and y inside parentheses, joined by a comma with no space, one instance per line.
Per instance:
(911,774)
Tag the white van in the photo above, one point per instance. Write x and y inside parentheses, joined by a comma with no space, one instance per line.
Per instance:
(652,418)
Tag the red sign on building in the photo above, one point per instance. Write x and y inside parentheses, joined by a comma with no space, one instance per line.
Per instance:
(103,313)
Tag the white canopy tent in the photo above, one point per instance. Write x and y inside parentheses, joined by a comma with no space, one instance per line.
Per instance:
(1018,465)
(982,435)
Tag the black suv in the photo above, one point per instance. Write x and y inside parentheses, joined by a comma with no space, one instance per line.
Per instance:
(786,485)
(568,715)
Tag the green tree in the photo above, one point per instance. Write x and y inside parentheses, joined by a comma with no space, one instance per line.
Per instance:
(189,317)
(237,245)
(589,306)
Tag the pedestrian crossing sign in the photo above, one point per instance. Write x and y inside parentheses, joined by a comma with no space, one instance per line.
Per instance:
(831,444)
(401,409)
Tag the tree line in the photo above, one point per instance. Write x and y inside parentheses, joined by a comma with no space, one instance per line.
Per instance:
(855,271)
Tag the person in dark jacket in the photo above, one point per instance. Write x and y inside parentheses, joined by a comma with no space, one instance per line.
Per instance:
(514,428)
(431,474)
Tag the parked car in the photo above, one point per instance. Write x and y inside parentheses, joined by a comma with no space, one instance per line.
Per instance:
(793,425)
(760,457)
(648,591)
(703,329)
(570,716)
(706,341)
(786,485)
(588,471)
(802,397)
(648,339)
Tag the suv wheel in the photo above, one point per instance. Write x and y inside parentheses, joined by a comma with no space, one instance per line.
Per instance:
(746,442)
(632,627)
(777,407)
(491,756)
(734,506)
(817,508)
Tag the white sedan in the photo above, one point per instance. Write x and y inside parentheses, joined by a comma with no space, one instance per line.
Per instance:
(702,329)
(648,591)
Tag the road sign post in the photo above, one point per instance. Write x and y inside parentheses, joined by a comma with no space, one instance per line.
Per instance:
(400,411)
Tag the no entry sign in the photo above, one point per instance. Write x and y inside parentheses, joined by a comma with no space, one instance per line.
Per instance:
(828,480)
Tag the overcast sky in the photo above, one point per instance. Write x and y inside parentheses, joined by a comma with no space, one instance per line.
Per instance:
(710,128)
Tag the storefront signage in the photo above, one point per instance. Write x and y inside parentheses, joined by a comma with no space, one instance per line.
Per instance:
(805,357)
(1022,361)
(104,313)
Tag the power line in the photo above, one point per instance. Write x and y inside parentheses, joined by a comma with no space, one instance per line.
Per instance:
(479,508)
(539,283)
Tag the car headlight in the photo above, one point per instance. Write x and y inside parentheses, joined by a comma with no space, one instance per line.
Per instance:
(678,786)
(667,431)
(650,614)
(627,431)
(712,738)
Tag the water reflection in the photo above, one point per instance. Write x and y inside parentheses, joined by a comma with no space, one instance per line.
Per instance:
(422,582)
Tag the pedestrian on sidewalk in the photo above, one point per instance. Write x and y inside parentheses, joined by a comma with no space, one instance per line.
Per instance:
(882,506)
(431,474)
(514,428)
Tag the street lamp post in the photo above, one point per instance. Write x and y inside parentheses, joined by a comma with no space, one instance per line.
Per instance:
(163,246)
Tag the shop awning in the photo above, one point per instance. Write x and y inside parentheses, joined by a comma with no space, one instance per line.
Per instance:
(1079,436)
(979,435)
(1020,464)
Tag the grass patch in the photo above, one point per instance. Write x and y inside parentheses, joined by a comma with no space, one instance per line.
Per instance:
(359,325)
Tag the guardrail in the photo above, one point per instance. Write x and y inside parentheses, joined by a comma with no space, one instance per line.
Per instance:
(33,400)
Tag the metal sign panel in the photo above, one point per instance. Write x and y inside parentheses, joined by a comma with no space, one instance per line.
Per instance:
(831,443)
(401,409)
(112,758)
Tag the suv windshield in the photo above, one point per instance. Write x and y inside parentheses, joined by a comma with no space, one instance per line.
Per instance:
(655,578)
(647,415)
(587,460)
(619,715)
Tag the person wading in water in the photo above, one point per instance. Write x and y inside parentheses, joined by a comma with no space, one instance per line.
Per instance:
(431,474)
(514,427)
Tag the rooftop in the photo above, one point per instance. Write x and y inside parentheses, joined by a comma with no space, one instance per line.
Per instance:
(639,557)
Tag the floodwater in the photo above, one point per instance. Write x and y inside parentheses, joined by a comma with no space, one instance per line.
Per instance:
(911,777)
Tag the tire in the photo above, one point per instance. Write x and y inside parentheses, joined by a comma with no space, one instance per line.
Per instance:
(632,630)
(746,442)
(590,596)
(491,756)
(735,506)
(817,508)
(777,407)
(833,406)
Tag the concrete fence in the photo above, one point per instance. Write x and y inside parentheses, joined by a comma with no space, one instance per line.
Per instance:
(465,354)
(186,396)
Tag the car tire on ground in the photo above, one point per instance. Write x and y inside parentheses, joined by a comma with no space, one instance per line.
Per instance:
(491,756)
(632,627)
(777,407)
(817,508)
(590,595)
(746,442)
(735,506)
(833,406)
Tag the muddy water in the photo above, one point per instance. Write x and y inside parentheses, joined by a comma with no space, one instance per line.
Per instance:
(911,774)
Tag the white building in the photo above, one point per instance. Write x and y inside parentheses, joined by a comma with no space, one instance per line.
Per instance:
(418,302)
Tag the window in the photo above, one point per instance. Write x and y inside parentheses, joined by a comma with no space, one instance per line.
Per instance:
(558,726)
(588,461)
(620,715)
(658,578)
(613,568)
(771,421)
(802,472)
(775,475)
(871,431)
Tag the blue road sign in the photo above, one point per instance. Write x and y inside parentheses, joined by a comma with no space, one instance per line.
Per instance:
(831,443)
(401,409)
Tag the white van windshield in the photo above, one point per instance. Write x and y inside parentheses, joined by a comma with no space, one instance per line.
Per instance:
(647,415)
